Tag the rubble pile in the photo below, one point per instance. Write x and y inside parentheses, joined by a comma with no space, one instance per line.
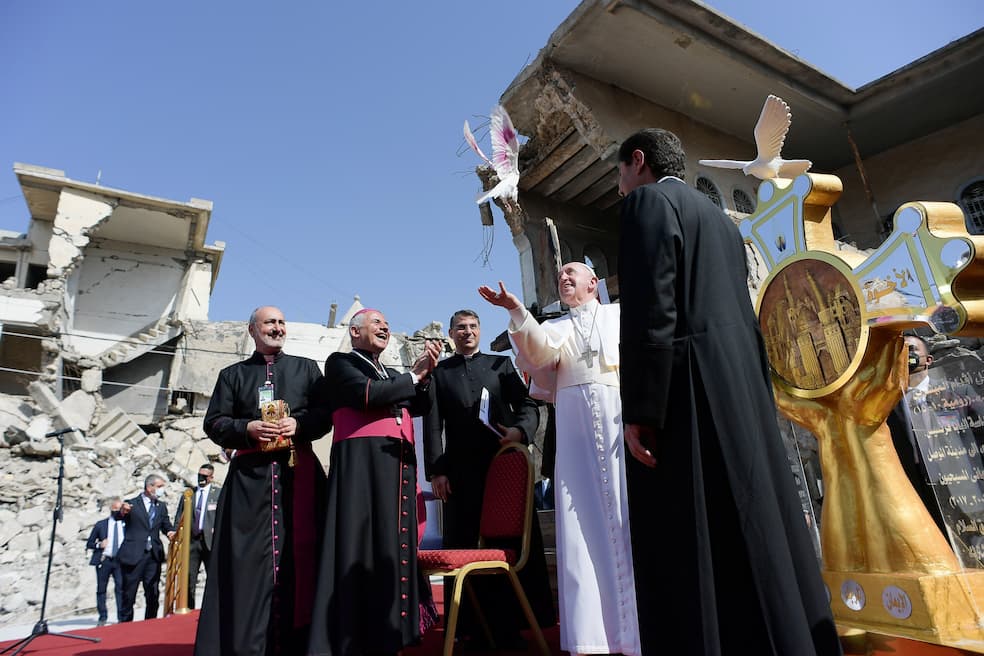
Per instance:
(111,459)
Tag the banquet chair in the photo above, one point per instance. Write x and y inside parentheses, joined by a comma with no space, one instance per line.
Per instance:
(507,512)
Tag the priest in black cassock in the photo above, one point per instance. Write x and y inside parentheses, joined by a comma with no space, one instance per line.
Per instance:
(270,519)
(372,598)
(723,560)
(457,466)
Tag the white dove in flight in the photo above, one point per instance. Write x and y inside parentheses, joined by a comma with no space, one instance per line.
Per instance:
(505,156)
(770,133)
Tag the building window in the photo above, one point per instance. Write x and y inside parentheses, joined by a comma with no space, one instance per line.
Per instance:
(972,204)
(36,273)
(743,202)
(709,189)
(8,270)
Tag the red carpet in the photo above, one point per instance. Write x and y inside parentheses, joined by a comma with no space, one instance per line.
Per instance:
(171,636)
(175,636)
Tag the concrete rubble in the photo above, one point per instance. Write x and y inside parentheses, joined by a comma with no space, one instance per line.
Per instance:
(111,458)
(94,469)
(104,328)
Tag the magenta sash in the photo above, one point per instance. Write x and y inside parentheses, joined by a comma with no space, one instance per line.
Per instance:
(351,423)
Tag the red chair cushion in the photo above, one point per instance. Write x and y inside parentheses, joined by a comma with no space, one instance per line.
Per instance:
(448,559)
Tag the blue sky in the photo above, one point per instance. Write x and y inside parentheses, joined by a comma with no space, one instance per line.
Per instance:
(328,134)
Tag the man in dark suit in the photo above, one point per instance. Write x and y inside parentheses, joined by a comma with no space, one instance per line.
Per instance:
(457,466)
(709,468)
(205,501)
(142,551)
(105,541)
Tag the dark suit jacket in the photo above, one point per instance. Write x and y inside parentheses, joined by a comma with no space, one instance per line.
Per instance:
(98,534)
(211,503)
(138,527)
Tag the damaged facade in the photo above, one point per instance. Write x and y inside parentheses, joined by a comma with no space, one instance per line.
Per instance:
(98,288)
(615,66)
(104,327)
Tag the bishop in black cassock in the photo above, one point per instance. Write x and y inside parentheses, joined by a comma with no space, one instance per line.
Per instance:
(270,519)
(371,596)
(723,560)
(458,464)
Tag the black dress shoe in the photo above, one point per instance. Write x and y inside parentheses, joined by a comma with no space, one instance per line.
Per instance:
(101,623)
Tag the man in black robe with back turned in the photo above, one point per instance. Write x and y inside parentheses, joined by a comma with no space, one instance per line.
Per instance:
(723,560)
(457,468)
(270,519)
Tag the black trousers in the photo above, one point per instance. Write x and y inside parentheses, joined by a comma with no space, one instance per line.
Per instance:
(148,572)
(197,556)
(109,568)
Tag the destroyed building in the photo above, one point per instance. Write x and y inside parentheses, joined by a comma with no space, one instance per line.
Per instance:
(616,66)
(104,327)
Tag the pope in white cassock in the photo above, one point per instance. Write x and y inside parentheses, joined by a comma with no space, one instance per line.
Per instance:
(573,361)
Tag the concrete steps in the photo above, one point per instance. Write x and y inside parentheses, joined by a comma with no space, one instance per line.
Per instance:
(117,426)
(139,343)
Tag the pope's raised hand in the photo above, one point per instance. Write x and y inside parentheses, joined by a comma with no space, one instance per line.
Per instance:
(502,298)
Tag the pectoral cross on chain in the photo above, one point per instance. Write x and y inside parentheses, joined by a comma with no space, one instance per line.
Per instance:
(588,357)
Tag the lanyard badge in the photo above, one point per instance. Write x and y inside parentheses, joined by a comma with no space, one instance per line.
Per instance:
(265,391)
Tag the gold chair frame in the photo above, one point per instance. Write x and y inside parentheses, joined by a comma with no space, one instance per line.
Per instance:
(494,567)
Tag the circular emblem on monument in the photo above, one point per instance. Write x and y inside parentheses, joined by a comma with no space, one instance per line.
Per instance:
(945,319)
(852,594)
(810,318)
(896,601)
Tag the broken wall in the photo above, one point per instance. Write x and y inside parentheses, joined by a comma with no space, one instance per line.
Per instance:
(121,290)
(138,387)
(603,116)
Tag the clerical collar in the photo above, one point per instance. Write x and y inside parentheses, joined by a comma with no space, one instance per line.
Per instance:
(471,356)
(373,361)
(587,306)
(670,177)
(260,357)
